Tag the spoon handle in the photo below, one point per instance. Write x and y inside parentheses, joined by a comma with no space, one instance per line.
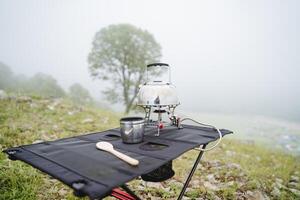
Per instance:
(125,158)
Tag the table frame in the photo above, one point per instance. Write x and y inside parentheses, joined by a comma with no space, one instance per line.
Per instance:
(130,195)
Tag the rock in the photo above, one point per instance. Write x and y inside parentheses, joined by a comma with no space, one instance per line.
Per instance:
(189,190)
(214,163)
(233,166)
(63,192)
(33,105)
(141,188)
(87,121)
(154,185)
(51,107)
(215,197)
(176,183)
(24,99)
(292,185)
(195,183)
(278,180)
(275,192)
(230,183)
(230,153)
(281,186)
(295,192)
(294,179)
(143,183)
(70,113)
(167,189)
(3,95)
(186,198)
(211,178)
(55,127)
(255,195)
(210,186)
(104,120)
(38,141)
(258,158)
(250,193)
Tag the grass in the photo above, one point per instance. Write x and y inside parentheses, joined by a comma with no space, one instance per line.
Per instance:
(42,119)
(235,167)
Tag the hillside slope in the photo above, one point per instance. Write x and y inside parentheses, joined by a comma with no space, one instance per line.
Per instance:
(234,170)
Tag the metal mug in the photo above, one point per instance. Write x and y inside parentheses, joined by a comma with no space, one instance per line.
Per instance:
(132,129)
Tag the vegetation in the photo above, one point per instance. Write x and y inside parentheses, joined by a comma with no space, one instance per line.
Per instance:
(5,76)
(42,85)
(119,55)
(79,94)
(32,119)
(234,170)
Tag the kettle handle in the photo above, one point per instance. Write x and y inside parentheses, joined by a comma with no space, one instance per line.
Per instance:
(159,64)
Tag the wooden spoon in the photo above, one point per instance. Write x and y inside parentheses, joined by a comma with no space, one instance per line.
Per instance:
(106,146)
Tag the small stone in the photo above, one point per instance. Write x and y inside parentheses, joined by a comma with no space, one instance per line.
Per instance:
(176,183)
(230,153)
(278,180)
(24,99)
(294,179)
(38,141)
(3,95)
(292,185)
(215,197)
(250,193)
(211,178)
(55,127)
(154,185)
(62,192)
(214,163)
(140,187)
(104,120)
(167,189)
(295,192)
(275,192)
(280,186)
(87,121)
(257,195)
(210,186)
(50,107)
(195,183)
(230,183)
(233,166)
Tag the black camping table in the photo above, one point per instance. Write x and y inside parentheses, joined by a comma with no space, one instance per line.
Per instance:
(77,162)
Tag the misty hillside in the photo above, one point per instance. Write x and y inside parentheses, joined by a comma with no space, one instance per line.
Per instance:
(237,169)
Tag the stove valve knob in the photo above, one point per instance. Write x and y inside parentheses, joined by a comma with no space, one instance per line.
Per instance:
(160,125)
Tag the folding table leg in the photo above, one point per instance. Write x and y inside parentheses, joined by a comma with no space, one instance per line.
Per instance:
(191,173)
(130,192)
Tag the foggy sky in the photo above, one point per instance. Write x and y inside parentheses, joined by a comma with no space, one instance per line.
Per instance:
(226,56)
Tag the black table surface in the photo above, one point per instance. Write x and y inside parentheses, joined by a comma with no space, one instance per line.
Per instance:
(77,162)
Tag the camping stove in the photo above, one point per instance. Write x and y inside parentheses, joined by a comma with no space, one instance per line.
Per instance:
(158,97)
